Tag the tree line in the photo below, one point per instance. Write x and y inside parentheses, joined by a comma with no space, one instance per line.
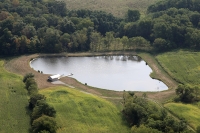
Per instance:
(42,114)
(34,26)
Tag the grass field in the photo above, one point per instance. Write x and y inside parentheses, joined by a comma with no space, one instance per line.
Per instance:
(183,66)
(79,112)
(187,111)
(116,7)
(13,115)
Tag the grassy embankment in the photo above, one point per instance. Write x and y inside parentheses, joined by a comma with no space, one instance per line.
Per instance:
(184,67)
(116,7)
(13,103)
(187,111)
(79,112)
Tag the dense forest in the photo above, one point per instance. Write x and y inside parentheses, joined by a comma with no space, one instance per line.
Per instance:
(34,26)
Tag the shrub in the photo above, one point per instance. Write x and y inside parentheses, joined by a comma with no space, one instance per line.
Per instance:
(29,82)
(34,98)
(28,75)
(32,89)
(44,124)
(42,108)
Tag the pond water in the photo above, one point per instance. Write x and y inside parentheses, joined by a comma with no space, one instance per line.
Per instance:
(117,73)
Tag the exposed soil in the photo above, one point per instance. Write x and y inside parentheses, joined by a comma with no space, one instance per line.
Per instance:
(20,65)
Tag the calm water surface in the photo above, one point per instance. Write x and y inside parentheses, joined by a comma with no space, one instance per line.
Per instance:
(113,73)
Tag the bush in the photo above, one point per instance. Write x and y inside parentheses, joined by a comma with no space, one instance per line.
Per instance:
(29,82)
(34,98)
(44,124)
(42,108)
(32,89)
(28,75)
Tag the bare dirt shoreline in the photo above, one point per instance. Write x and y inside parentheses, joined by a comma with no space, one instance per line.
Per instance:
(20,65)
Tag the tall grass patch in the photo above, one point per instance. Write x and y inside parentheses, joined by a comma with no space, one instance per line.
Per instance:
(187,111)
(13,103)
(183,66)
(79,112)
(116,7)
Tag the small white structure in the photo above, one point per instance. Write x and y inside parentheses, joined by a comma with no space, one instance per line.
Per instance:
(54,77)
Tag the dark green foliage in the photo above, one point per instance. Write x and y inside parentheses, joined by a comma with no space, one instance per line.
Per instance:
(32,89)
(193,5)
(161,44)
(43,115)
(188,94)
(29,82)
(42,108)
(133,15)
(44,124)
(34,98)
(198,129)
(28,75)
(47,26)
(103,22)
(146,116)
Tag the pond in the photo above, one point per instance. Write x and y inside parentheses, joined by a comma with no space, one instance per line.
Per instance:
(117,73)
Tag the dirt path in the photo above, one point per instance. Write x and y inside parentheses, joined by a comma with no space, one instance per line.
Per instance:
(20,65)
(159,73)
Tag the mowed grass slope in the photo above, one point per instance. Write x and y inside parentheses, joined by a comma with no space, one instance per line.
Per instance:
(116,7)
(187,111)
(79,112)
(13,115)
(183,66)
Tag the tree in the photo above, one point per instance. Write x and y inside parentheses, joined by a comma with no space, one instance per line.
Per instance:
(192,38)
(44,123)
(32,89)
(65,40)
(34,98)
(144,28)
(28,75)
(29,31)
(24,42)
(29,82)
(139,42)
(185,93)
(51,38)
(133,15)
(95,41)
(125,41)
(85,23)
(108,39)
(42,108)
(15,3)
(161,44)
(194,18)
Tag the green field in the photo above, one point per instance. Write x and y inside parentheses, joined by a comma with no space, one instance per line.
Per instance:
(116,7)
(183,66)
(187,111)
(79,112)
(14,99)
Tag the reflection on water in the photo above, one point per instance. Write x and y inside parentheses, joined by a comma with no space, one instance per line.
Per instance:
(108,72)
